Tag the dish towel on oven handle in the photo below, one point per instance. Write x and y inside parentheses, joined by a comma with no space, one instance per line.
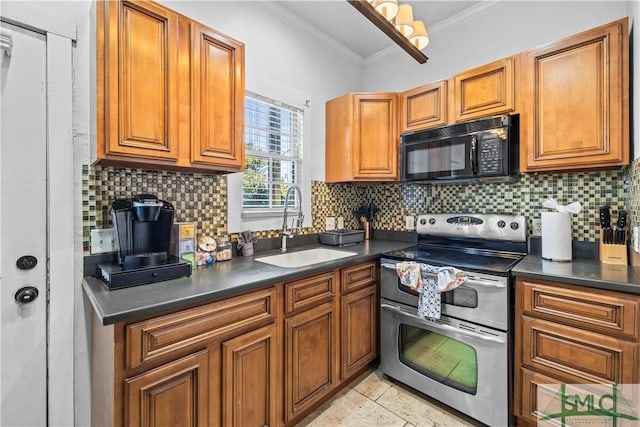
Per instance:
(429,288)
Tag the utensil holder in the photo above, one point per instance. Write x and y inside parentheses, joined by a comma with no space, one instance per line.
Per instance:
(613,254)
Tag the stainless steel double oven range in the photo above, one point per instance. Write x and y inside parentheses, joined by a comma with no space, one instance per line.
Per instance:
(463,359)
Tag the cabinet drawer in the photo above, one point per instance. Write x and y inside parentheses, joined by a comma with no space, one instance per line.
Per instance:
(358,276)
(532,383)
(310,291)
(593,309)
(153,338)
(576,355)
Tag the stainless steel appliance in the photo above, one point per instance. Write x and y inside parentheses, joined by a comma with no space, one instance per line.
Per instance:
(464,151)
(464,358)
(142,227)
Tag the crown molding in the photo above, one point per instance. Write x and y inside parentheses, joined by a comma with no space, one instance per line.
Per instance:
(290,18)
(435,29)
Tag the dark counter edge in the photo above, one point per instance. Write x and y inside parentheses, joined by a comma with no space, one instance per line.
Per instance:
(581,272)
(93,288)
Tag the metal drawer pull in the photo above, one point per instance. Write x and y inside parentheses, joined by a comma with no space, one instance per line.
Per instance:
(443,326)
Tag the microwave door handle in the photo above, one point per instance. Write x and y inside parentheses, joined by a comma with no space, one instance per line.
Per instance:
(442,326)
(472,154)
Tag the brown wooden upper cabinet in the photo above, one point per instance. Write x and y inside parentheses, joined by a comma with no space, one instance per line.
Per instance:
(577,102)
(488,90)
(424,107)
(170,92)
(362,138)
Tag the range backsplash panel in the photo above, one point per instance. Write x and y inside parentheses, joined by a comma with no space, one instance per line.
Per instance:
(203,198)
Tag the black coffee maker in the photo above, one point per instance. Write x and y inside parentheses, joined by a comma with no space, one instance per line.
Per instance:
(142,228)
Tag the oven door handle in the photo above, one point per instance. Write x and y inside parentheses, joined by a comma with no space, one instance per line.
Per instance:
(441,326)
(471,280)
(388,265)
(486,283)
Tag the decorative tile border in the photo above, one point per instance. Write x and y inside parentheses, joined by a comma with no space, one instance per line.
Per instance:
(202,198)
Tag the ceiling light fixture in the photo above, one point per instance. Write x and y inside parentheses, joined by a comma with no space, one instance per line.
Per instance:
(420,37)
(386,8)
(396,21)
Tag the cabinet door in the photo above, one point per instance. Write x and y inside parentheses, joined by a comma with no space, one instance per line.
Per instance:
(485,91)
(174,394)
(137,56)
(359,330)
(424,107)
(577,112)
(375,137)
(249,379)
(311,357)
(217,99)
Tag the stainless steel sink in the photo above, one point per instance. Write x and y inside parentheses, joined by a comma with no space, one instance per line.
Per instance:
(304,258)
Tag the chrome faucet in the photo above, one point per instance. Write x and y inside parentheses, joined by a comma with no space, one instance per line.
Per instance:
(296,224)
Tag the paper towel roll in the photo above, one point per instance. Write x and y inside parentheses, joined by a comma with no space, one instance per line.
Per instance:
(556,236)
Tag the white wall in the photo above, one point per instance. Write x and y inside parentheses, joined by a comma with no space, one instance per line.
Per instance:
(494,32)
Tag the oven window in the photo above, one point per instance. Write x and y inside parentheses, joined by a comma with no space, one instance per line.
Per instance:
(439,357)
(463,296)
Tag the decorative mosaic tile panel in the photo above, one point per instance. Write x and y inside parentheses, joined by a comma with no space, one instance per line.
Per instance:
(203,198)
(634,193)
(196,197)
(523,196)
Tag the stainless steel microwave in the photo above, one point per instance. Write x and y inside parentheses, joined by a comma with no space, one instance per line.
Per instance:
(464,151)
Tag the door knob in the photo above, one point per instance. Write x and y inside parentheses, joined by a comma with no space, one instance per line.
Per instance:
(26,295)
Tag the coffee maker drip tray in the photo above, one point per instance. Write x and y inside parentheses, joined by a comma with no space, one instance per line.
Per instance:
(139,270)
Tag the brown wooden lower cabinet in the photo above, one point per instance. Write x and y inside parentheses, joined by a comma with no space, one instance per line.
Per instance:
(567,334)
(249,380)
(265,358)
(173,394)
(311,347)
(359,331)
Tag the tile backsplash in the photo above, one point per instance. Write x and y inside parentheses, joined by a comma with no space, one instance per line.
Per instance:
(202,198)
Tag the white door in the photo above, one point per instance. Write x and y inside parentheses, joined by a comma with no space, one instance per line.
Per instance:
(23,230)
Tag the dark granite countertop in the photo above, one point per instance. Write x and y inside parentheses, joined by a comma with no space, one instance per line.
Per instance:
(220,280)
(582,272)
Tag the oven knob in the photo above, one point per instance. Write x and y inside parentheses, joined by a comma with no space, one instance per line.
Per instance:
(514,225)
(432,221)
(423,221)
(501,224)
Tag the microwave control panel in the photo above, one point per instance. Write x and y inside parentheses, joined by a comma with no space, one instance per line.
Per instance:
(491,158)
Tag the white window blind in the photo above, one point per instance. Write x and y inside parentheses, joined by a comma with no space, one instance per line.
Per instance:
(273,152)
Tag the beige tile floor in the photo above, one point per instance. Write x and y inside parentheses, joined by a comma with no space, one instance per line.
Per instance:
(370,401)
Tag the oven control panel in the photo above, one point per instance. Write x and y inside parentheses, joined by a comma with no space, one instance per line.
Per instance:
(484,226)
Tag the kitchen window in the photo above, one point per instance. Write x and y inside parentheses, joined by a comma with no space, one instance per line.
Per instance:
(273,153)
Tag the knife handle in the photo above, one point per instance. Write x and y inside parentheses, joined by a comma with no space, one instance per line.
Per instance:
(622,219)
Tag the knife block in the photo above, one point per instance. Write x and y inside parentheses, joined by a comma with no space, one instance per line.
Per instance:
(612,254)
